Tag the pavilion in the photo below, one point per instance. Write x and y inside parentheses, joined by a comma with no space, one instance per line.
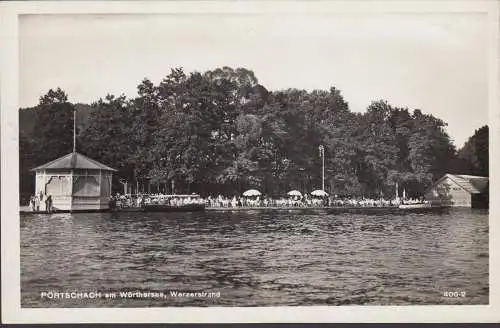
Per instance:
(75,182)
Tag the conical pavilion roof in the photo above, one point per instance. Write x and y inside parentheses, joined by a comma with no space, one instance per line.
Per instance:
(74,161)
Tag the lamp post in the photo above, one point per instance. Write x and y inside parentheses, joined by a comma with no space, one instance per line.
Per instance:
(301,179)
(125,185)
(322,154)
(74,131)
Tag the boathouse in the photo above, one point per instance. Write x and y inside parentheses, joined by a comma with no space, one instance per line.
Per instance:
(75,182)
(460,191)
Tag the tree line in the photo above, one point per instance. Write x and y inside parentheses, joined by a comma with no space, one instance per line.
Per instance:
(221,132)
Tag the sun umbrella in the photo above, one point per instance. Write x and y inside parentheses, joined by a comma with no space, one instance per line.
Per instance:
(319,193)
(294,193)
(251,193)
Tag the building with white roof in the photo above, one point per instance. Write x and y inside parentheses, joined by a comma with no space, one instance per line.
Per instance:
(75,182)
(460,191)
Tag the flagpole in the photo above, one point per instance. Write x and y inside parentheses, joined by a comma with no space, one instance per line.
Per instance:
(74,130)
(322,154)
(323,185)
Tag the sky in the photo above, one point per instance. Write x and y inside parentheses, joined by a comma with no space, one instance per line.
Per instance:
(434,62)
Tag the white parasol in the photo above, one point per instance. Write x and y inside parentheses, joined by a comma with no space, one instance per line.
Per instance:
(251,193)
(294,193)
(319,193)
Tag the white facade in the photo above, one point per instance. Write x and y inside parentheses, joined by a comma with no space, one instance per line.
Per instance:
(459,191)
(448,192)
(75,190)
(85,187)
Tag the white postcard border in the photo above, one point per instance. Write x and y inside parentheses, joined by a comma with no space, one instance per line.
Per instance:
(9,99)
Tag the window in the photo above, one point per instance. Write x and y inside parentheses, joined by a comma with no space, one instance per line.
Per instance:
(86,186)
(58,186)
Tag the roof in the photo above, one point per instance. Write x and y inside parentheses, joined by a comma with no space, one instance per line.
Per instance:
(74,161)
(472,183)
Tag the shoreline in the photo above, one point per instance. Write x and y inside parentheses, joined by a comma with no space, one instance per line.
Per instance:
(331,209)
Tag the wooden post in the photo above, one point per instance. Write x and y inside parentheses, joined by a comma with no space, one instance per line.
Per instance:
(74,130)
(71,178)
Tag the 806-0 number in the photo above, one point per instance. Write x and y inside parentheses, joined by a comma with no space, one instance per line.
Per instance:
(454,294)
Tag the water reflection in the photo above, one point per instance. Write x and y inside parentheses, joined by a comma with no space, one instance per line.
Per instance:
(257,259)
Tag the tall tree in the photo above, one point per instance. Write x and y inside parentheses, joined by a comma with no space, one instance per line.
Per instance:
(45,133)
(109,135)
(378,149)
(473,157)
(145,113)
(53,130)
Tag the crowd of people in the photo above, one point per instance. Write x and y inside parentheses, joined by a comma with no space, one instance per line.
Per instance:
(140,200)
(306,201)
(41,203)
(44,203)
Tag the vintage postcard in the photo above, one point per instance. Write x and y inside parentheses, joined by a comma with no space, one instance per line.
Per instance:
(250,161)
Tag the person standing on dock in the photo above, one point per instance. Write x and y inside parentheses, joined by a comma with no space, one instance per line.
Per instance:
(32,203)
(43,204)
(37,203)
(48,204)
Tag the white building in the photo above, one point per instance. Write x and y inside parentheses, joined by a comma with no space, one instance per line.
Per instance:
(75,182)
(460,191)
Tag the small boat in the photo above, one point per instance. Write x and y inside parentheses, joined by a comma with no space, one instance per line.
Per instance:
(423,207)
(415,206)
(171,208)
(127,209)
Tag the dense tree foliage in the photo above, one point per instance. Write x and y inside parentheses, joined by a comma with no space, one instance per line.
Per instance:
(222,132)
(473,157)
(49,137)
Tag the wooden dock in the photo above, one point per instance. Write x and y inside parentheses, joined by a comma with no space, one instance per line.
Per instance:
(292,209)
(327,209)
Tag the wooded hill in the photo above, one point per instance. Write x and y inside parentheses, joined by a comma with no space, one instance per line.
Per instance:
(222,132)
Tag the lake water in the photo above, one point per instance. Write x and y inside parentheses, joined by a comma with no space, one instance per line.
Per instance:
(254,258)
